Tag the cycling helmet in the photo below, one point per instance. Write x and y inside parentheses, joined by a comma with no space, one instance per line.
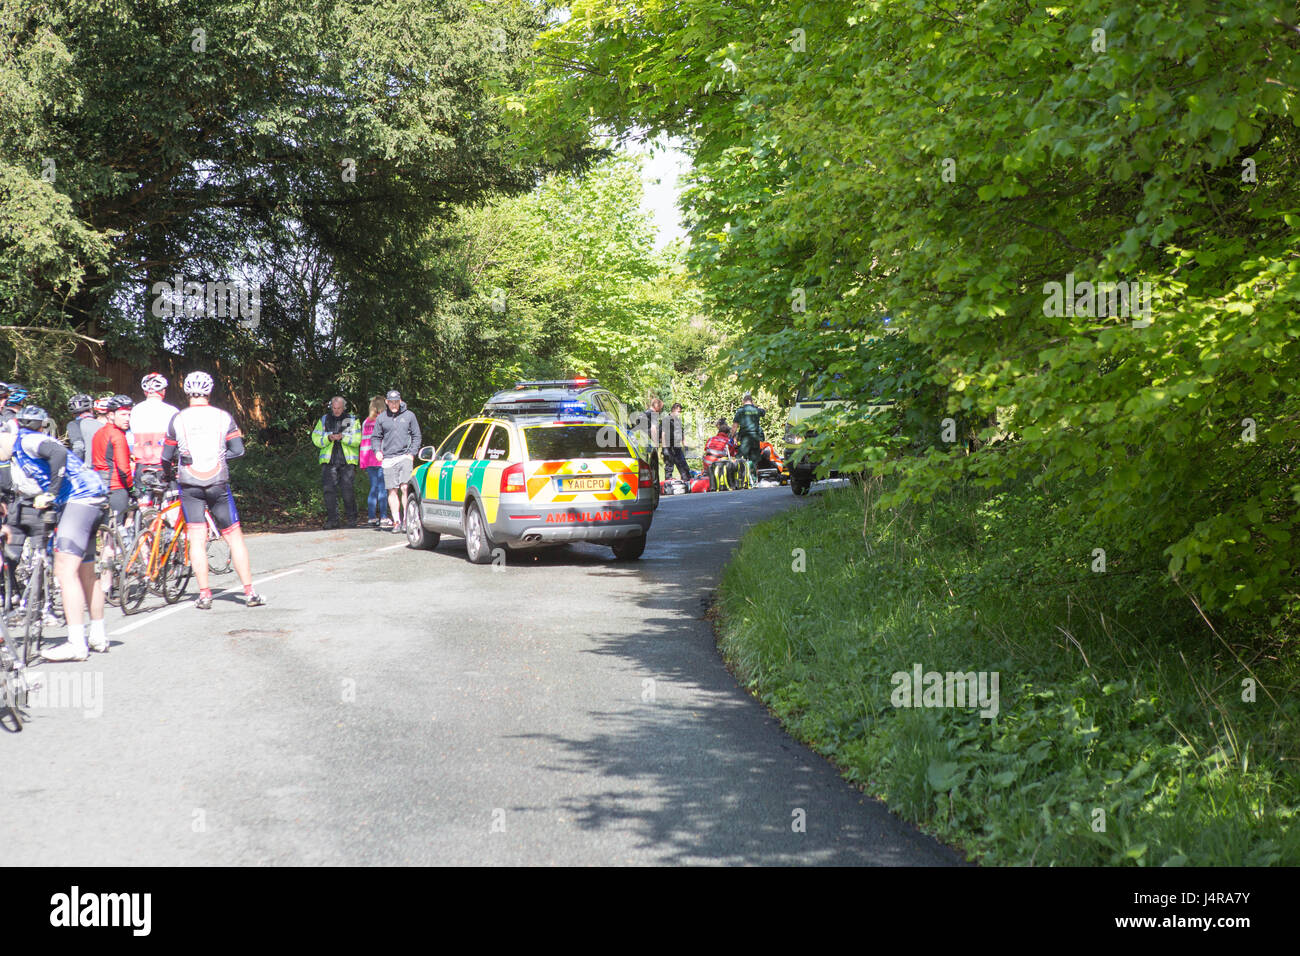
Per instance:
(101,404)
(17,395)
(153,382)
(80,403)
(120,401)
(198,383)
(33,417)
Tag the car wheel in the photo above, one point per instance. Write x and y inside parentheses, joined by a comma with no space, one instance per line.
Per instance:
(629,549)
(416,535)
(798,486)
(477,542)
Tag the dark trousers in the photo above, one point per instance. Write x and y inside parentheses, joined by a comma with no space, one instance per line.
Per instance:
(337,480)
(676,457)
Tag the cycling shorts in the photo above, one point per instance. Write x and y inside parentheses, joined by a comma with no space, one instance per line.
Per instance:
(118,500)
(77,526)
(23,522)
(216,499)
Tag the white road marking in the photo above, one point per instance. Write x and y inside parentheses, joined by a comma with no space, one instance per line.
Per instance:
(391,547)
(151,616)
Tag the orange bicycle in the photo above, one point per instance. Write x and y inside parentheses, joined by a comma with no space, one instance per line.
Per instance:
(158,561)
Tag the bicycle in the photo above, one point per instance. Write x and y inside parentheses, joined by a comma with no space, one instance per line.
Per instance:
(112,540)
(158,560)
(36,602)
(14,685)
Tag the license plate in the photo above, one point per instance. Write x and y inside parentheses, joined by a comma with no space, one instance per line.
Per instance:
(584,484)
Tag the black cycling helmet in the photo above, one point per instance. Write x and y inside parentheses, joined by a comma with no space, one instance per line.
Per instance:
(120,401)
(80,403)
(33,413)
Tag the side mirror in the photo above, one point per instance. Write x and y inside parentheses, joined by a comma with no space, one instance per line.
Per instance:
(425,453)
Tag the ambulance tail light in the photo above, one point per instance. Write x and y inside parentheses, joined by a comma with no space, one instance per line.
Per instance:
(512,479)
(644,477)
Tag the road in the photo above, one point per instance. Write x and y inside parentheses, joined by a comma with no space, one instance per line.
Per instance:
(400,707)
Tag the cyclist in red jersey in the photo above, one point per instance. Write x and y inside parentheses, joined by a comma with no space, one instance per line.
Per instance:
(110,455)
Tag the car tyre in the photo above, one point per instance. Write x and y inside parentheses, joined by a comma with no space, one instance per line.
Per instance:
(416,534)
(477,540)
(799,486)
(629,549)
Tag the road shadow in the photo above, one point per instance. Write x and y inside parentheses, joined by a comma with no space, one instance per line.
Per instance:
(700,771)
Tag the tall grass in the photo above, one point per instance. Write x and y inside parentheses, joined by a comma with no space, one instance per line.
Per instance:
(1123,735)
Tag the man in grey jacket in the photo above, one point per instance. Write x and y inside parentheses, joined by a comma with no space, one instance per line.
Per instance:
(395,441)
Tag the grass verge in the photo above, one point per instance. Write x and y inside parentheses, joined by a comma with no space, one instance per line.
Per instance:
(1128,730)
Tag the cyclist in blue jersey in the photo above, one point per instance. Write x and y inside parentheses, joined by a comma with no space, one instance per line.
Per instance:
(72,497)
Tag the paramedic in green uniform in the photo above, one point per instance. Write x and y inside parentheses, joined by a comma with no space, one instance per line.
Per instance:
(748,432)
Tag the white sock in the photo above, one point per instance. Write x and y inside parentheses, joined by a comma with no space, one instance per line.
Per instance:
(77,635)
(97,633)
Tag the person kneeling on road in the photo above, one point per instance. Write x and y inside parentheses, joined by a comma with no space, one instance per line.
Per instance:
(338,436)
(718,455)
(200,439)
(72,497)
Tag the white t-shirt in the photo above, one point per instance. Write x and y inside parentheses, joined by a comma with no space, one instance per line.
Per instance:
(149,421)
(200,433)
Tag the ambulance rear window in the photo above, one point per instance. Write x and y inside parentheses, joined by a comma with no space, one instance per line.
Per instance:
(562,442)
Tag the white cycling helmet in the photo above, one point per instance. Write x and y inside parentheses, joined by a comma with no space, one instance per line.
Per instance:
(198,383)
(153,382)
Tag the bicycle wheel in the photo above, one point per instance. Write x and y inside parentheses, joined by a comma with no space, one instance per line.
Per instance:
(33,618)
(14,695)
(133,574)
(53,591)
(13,685)
(219,561)
(176,569)
(158,569)
(107,556)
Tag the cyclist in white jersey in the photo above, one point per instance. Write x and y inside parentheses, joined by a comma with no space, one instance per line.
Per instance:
(199,440)
(149,421)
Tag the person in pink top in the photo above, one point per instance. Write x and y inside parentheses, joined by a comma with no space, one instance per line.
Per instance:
(374,470)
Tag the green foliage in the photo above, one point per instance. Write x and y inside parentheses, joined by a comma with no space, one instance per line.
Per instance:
(941,165)
(1093,716)
(316,149)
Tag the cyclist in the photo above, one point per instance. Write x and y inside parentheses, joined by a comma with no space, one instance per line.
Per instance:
(15,396)
(34,418)
(200,440)
(149,421)
(111,456)
(22,521)
(68,486)
(83,426)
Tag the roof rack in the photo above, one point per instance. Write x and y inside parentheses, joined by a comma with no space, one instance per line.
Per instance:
(556,382)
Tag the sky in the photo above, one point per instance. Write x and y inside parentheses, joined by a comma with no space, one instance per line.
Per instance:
(664,164)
